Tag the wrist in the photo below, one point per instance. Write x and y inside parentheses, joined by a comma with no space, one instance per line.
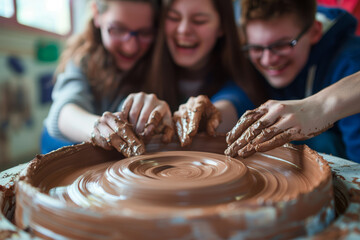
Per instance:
(328,107)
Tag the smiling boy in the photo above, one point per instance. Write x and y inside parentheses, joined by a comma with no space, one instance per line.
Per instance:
(300,49)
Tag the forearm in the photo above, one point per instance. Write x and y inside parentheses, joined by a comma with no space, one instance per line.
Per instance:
(75,123)
(340,99)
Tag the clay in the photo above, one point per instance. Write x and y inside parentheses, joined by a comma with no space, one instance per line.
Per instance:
(197,113)
(171,192)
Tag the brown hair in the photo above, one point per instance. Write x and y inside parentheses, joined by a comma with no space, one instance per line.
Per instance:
(88,52)
(304,10)
(227,61)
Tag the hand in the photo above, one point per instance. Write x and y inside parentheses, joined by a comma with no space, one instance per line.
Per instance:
(148,115)
(187,118)
(273,124)
(111,130)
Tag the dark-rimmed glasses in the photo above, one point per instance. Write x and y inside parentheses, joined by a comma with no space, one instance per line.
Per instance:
(278,48)
(124,35)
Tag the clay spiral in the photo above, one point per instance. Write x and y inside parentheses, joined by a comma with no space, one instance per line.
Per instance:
(83,192)
(165,178)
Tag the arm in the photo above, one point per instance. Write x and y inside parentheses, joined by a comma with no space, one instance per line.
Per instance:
(278,122)
(70,94)
(76,123)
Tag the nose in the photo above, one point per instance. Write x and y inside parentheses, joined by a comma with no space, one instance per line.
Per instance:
(131,46)
(268,58)
(184,26)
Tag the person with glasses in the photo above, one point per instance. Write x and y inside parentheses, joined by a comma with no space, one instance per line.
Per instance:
(196,58)
(299,49)
(98,69)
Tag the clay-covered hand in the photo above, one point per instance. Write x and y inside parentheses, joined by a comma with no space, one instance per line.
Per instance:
(111,130)
(273,124)
(197,113)
(149,115)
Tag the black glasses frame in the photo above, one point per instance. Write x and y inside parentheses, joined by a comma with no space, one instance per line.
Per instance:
(271,47)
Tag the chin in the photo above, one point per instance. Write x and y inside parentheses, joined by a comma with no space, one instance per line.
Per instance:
(184,63)
(125,67)
(278,83)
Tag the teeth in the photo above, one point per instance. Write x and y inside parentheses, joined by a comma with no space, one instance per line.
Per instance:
(275,67)
(185,44)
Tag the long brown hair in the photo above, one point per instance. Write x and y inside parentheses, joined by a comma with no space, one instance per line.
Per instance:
(87,51)
(227,61)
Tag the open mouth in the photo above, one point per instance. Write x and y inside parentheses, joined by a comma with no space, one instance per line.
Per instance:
(275,69)
(186,45)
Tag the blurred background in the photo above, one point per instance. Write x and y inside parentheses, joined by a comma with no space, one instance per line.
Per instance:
(32,36)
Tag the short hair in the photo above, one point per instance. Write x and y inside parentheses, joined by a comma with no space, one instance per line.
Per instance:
(304,10)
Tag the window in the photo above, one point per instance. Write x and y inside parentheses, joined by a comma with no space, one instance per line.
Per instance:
(6,8)
(45,15)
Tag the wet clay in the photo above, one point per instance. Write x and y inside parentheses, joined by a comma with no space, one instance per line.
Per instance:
(197,113)
(171,192)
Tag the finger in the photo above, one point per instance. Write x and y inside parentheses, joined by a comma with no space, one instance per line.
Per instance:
(120,145)
(213,121)
(127,106)
(168,134)
(266,134)
(103,130)
(112,121)
(246,151)
(199,108)
(168,127)
(153,121)
(234,147)
(136,108)
(194,117)
(245,121)
(98,140)
(194,111)
(151,104)
(275,142)
(126,133)
(181,123)
(254,130)
(161,123)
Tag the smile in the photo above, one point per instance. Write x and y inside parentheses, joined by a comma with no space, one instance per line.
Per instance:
(276,68)
(183,44)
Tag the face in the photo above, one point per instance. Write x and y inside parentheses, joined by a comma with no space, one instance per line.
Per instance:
(192,28)
(279,69)
(120,18)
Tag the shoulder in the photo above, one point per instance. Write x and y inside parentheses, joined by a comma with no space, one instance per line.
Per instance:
(347,58)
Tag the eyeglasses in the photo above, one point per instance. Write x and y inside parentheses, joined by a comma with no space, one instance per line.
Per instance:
(278,48)
(124,35)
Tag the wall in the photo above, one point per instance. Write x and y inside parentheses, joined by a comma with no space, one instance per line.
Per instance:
(21,124)
(20,130)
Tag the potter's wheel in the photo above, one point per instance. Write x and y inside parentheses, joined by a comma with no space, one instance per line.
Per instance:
(346,185)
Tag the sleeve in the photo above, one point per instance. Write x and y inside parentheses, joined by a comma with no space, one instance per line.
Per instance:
(348,63)
(233,93)
(350,129)
(71,87)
